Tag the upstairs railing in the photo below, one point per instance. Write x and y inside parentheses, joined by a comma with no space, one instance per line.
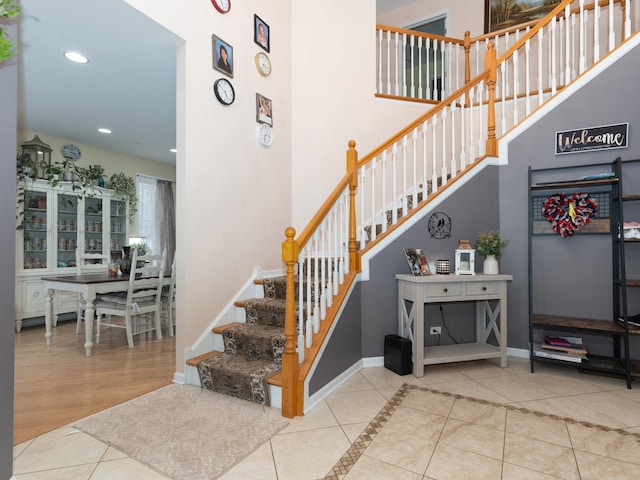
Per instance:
(415,165)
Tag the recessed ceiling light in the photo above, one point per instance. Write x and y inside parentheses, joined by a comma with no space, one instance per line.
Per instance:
(173,150)
(104,130)
(76,57)
(139,141)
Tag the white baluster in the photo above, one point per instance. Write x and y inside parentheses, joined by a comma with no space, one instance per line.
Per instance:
(596,32)
(583,17)
(403,68)
(414,195)
(443,124)
(540,88)
(454,163)
(503,110)
(481,116)
(399,67)
(553,57)
(380,36)
(612,35)
(412,94)
(507,87)
(300,319)
(420,90)
(336,251)
(394,183)
(329,259)
(388,62)
(361,189)
(472,150)
(463,136)
(425,188)
(404,176)
(449,72)
(323,268)
(427,46)
(527,77)
(308,264)
(345,241)
(434,173)
(373,198)
(627,19)
(384,191)
(316,284)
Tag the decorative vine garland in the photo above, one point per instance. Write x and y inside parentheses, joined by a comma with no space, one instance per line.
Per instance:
(569,214)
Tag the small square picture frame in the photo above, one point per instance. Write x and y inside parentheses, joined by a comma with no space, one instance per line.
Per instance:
(264,110)
(261,33)
(222,55)
(417,261)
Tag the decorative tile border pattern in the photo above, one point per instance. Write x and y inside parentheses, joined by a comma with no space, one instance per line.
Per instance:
(358,447)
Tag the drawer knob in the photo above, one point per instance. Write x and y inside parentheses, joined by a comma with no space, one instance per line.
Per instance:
(484,289)
(445,290)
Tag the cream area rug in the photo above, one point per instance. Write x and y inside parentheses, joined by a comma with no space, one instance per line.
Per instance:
(185,432)
(426,433)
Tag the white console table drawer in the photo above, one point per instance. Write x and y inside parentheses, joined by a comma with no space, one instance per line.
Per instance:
(444,289)
(489,288)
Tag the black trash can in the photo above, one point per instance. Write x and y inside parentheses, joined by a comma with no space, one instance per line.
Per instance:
(397,354)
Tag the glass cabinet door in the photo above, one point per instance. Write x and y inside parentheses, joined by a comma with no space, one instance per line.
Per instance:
(93,225)
(35,229)
(66,236)
(118,229)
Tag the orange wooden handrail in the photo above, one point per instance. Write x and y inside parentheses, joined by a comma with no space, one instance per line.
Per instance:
(415,33)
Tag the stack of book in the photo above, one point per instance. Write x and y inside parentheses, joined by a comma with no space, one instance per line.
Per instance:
(569,349)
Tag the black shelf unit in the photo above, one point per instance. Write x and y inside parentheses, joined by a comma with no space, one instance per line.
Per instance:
(609,219)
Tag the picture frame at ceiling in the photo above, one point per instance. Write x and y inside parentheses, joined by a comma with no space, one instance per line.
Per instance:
(264,110)
(500,14)
(222,55)
(261,33)
(417,261)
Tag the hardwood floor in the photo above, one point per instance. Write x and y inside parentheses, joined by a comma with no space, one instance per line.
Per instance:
(58,384)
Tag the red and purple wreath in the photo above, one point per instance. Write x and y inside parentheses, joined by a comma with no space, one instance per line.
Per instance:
(569,214)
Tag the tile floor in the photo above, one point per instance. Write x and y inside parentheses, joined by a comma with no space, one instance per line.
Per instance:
(310,446)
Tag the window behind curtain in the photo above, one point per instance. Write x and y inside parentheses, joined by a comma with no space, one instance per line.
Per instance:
(146,216)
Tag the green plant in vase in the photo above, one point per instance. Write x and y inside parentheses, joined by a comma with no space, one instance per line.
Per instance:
(53,172)
(490,245)
(25,169)
(124,187)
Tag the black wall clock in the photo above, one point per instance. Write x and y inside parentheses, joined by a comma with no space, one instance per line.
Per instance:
(224,91)
(440,225)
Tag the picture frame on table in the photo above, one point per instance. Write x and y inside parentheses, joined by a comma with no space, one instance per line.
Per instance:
(417,261)
(222,55)
(261,33)
(264,110)
(500,14)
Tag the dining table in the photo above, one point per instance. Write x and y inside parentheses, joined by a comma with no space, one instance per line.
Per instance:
(89,285)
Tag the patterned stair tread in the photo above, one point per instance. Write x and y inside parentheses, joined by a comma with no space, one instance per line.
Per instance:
(193,362)
(265,311)
(219,329)
(237,376)
(255,341)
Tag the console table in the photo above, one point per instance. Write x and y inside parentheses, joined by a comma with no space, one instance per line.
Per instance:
(414,292)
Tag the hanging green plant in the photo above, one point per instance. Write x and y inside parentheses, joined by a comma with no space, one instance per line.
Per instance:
(124,186)
(8,9)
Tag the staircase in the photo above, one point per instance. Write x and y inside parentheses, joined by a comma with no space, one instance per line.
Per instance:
(403,177)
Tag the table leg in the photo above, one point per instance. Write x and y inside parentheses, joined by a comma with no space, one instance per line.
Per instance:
(48,315)
(88,324)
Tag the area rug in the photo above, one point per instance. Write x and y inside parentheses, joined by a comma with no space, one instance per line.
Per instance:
(424,431)
(185,432)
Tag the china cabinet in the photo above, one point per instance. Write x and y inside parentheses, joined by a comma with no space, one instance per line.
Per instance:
(52,223)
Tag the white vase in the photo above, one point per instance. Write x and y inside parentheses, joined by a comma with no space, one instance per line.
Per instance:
(490,266)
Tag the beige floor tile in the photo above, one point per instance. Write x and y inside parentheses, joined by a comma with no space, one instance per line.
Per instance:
(607,444)
(566,407)
(442,373)
(428,402)
(484,369)
(310,454)
(517,388)
(63,447)
(473,389)
(540,456)
(562,384)
(355,407)
(402,450)
(485,441)
(113,454)
(538,427)
(80,472)
(387,393)
(515,472)
(594,467)
(372,469)
(320,416)
(354,384)
(353,430)
(382,378)
(125,468)
(18,449)
(450,463)
(257,466)
(617,404)
(479,413)
(414,422)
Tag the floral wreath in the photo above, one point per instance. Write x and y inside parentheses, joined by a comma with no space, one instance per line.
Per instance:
(569,214)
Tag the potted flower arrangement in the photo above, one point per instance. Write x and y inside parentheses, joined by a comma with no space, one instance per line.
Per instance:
(490,245)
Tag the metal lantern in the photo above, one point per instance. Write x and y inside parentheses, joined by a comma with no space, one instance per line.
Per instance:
(40,152)
(465,258)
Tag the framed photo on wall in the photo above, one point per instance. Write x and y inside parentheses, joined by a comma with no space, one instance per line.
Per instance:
(261,33)
(222,55)
(264,110)
(499,14)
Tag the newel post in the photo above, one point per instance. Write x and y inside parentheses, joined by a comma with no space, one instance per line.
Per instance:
(491,64)
(467,63)
(290,400)
(352,168)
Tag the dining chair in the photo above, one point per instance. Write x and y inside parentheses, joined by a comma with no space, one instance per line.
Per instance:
(143,297)
(87,263)
(169,298)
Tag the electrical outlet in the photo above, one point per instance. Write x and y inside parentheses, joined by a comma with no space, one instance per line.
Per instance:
(435,330)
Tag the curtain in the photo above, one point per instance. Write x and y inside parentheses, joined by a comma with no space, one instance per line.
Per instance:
(166,219)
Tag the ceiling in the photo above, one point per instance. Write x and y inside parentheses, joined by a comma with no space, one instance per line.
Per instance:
(128,86)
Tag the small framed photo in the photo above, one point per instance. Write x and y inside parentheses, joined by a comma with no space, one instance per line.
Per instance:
(222,55)
(417,261)
(264,110)
(261,33)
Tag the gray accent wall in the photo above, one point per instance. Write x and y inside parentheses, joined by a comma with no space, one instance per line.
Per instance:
(8,119)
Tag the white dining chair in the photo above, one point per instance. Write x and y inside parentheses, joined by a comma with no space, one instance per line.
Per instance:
(169,298)
(143,297)
(87,263)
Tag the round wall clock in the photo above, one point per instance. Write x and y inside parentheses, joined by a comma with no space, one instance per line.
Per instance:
(70,152)
(224,91)
(265,135)
(223,6)
(440,225)
(263,64)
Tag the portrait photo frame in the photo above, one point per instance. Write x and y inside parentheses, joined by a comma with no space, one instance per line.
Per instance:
(417,261)
(495,18)
(261,33)
(264,110)
(220,50)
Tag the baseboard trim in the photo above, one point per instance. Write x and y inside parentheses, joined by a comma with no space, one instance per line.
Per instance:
(329,388)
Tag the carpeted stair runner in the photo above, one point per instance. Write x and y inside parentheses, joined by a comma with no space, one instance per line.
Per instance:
(252,350)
